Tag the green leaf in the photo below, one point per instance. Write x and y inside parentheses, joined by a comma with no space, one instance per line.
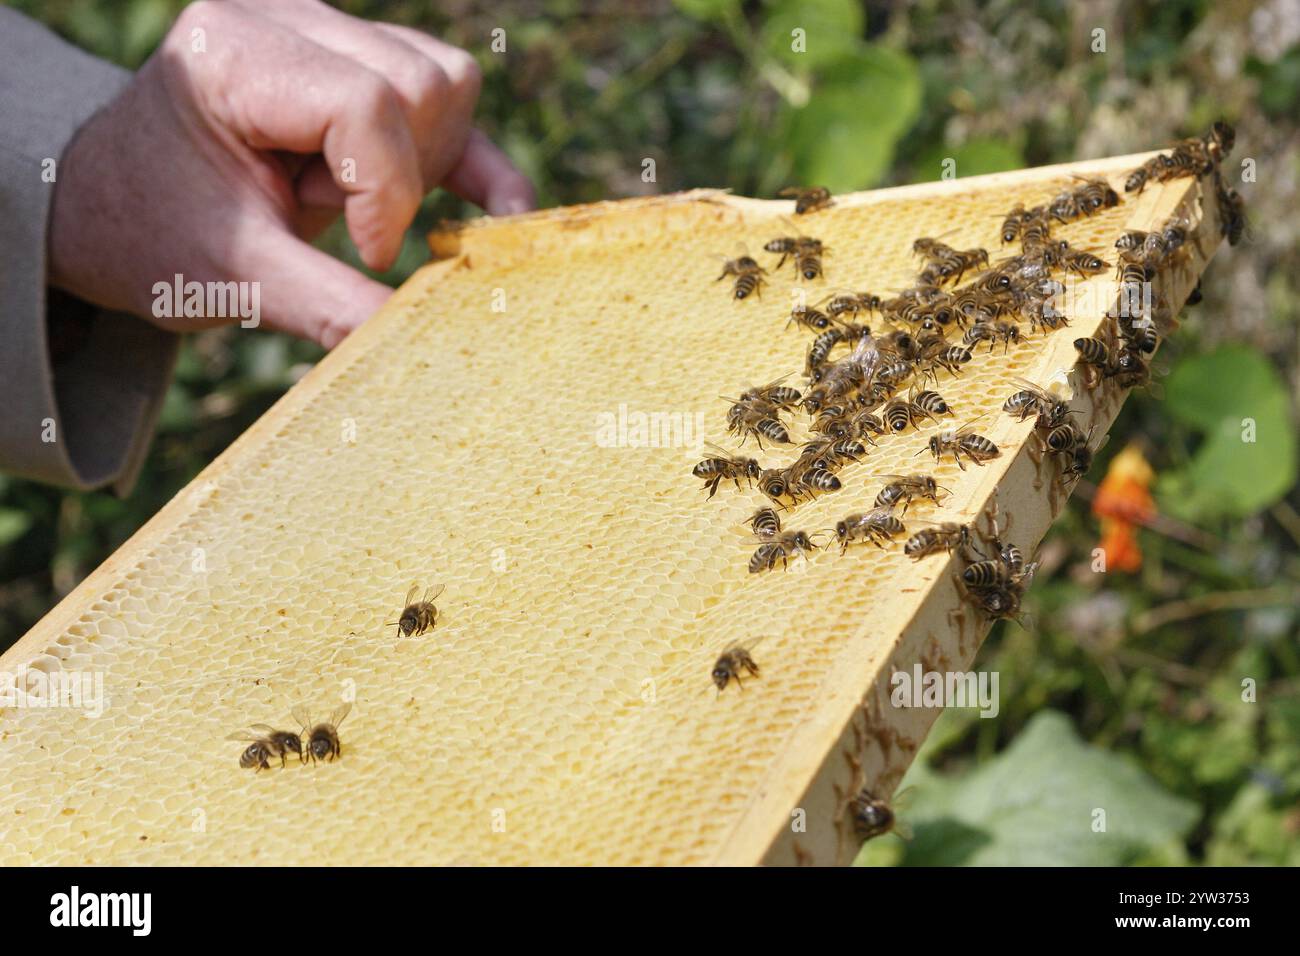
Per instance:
(845,137)
(708,10)
(1221,395)
(1036,804)
(830,31)
(146,23)
(13,525)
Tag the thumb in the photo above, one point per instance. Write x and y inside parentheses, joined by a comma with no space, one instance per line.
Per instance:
(310,294)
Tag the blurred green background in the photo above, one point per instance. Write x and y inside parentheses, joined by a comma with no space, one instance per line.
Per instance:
(1127,693)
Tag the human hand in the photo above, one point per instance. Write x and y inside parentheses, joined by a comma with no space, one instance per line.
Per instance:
(243,137)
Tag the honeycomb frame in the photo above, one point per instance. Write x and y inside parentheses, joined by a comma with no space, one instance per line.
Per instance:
(561,711)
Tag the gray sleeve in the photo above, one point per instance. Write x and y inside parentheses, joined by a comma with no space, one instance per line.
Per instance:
(80,388)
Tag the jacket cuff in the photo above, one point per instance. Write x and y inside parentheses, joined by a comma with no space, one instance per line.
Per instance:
(78,411)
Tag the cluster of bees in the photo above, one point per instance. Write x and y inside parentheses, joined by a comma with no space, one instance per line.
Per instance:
(316,741)
(264,743)
(885,383)
(863,386)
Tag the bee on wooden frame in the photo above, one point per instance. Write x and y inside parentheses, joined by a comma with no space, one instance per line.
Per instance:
(1032,400)
(724,466)
(876,526)
(418,616)
(873,816)
(265,742)
(749,276)
(944,537)
(323,738)
(785,545)
(959,442)
(905,488)
(808,198)
(731,663)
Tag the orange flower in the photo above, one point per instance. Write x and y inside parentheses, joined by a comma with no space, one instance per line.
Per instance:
(1123,501)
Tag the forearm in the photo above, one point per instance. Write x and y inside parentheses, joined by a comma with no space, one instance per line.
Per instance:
(79,388)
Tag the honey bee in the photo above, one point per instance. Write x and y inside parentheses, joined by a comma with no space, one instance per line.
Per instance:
(1044,316)
(1138,334)
(784,546)
(265,742)
(993,333)
(417,616)
(944,263)
(1095,355)
(877,526)
(808,261)
(1084,264)
(1015,221)
(996,584)
(1232,211)
(772,482)
(257,754)
(1220,140)
(864,423)
(951,358)
(960,442)
(819,479)
(1073,447)
(749,276)
(788,246)
(810,319)
(1131,240)
(782,396)
(757,417)
(724,466)
(808,198)
(1093,195)
(898,414)
(1032,400)
(905,488)
(830,453)
(1137,179)
(873,817)
(729,666)
(821,349)
(941,537)
(765,523)
(806,476)
(1130,370)
(851,303)
(323,738)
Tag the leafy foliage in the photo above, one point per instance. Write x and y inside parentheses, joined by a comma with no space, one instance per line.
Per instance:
(1248,459)
(1047,800)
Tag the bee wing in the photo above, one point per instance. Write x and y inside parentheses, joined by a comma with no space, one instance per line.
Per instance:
(774,383)
(301,714)
(721,452)
(339,712)
(410,595)
(437,594)
(1029,386)
(265,730)
(244,737)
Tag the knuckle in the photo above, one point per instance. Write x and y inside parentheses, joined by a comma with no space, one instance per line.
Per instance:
(376,95)
(424,81)
(464,73)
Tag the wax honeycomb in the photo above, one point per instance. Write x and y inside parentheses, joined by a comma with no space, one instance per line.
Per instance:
(561,711)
